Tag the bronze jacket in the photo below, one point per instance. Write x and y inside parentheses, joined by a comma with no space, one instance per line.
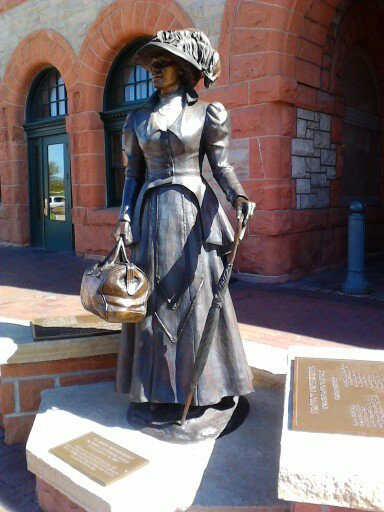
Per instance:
(156,158)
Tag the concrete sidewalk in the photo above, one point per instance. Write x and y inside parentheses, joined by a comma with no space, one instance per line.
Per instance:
(311,311)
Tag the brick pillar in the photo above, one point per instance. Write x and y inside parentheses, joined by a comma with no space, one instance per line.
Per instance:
(14,211)
(88,168)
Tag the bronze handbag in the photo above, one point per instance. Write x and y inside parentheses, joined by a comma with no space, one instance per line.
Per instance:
(115,289)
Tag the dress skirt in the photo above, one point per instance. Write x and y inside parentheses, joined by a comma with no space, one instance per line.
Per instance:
(157,356)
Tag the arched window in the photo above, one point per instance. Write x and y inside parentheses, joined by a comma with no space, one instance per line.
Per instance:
(128,87)
(48,97)
(361,130)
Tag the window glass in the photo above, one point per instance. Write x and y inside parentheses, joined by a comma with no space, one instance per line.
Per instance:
(117,160)
(128,86)
(49,97)
(128,83)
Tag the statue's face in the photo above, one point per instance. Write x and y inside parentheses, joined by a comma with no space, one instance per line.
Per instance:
(165,72)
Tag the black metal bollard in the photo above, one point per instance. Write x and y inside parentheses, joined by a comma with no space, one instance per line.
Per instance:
(355,282)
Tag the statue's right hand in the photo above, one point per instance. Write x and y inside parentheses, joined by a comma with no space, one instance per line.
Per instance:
(123,229)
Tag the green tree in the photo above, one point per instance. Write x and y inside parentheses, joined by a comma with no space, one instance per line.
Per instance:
(56,179)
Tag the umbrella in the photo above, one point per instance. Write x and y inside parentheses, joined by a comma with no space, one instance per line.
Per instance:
(212,319)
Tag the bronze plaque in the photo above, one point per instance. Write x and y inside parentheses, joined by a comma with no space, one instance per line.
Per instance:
(60,327)
(339,396)
(98,458)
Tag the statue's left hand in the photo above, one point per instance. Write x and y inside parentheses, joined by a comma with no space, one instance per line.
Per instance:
(123,229)
(244,208)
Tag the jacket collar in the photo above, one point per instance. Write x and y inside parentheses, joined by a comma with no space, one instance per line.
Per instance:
(191,97)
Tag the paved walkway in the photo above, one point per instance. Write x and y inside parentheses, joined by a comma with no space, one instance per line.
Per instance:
(17,484)
(311,311)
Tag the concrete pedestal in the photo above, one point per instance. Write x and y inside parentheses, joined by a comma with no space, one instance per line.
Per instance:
(239,470)
(330,469)
(28,367)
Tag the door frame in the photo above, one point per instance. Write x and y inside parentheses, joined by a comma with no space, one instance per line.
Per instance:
(36,133)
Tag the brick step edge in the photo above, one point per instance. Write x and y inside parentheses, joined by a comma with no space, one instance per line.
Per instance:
(52,500)
(239,509)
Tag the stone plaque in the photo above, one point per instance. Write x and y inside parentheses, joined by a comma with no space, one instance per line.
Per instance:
(98,458)
(338,396)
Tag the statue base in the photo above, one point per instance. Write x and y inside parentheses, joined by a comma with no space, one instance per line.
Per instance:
(162,421)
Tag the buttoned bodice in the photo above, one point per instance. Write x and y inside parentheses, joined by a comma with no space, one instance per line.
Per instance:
(156,157)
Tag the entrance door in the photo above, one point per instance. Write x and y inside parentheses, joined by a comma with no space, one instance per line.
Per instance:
(51,224)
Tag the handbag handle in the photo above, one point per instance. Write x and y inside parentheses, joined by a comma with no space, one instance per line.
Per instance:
(118,250)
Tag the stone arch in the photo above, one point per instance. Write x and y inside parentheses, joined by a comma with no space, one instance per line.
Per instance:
(360,27)
(263,38)
(316,47)
(116,26)
(312,33)
(35,52)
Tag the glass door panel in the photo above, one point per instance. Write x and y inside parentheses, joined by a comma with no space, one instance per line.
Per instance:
(58,229)
(56,182)
(50,188)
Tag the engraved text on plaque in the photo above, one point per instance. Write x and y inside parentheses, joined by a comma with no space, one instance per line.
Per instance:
(98,458)
(339,396)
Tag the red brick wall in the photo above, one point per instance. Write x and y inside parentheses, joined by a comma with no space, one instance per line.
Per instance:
(22,384)
(276,56)
(258,85)
(288,67)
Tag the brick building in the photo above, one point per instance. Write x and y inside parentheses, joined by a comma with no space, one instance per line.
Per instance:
(302,79)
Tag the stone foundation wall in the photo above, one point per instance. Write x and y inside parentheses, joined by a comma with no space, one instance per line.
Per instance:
(22,384)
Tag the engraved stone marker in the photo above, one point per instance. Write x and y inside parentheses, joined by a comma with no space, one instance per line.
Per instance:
(98,458)
(339,396)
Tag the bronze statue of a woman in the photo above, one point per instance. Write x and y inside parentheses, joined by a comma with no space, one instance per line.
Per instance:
(179,236)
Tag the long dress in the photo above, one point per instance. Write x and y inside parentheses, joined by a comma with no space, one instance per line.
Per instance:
(180,236)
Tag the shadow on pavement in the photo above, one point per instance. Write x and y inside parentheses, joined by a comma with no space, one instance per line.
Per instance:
(35,269)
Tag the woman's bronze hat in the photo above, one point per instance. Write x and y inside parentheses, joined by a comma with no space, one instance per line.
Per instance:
(193,52)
